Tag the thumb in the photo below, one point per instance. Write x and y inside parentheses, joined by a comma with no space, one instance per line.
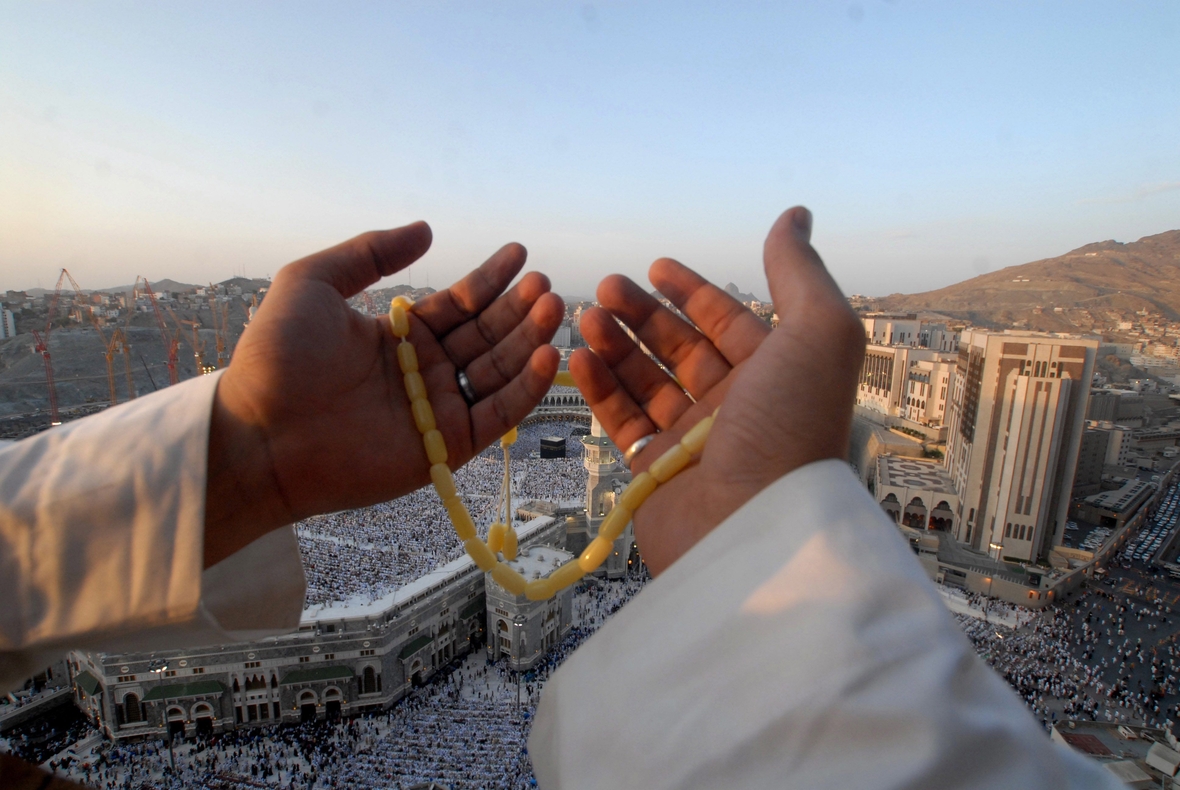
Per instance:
(794,270)
(356,264)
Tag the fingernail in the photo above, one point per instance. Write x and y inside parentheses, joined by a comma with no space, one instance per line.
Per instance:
(801,222)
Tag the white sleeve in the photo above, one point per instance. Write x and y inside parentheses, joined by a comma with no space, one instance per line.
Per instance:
(102,540)
(799,645)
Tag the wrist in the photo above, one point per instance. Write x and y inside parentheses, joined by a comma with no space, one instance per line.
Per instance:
(243,501)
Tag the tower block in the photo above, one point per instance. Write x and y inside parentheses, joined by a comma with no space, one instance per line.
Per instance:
(606,480)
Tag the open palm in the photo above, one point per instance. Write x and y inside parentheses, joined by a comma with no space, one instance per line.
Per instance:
(785,395)
(315,390)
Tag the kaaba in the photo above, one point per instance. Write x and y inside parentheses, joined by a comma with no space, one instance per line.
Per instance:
(552,447)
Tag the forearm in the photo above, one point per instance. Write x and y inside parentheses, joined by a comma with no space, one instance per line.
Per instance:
(102,539)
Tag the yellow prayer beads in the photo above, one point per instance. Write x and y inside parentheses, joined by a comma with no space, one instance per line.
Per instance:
(502,537)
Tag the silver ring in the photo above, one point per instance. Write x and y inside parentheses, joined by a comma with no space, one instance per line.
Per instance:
(465,388)
(636,448)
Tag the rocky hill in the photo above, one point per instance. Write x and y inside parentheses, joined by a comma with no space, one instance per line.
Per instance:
(1099,278)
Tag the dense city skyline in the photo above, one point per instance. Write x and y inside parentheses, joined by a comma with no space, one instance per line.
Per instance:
(933,143)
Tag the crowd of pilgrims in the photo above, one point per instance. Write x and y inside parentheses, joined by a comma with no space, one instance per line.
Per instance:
(466,728)
(366,553)
(1051,662)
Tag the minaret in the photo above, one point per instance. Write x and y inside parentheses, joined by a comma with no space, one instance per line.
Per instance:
(606,479)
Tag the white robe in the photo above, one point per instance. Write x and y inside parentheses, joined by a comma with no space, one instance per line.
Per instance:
(800,644)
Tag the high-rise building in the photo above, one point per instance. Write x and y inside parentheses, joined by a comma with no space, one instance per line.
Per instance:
(7,324)
(1015,430)
(1087,479)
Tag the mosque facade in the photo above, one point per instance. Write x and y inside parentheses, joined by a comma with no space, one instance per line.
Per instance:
(350,659)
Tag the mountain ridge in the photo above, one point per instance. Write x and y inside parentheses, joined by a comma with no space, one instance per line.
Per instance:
(1101,276)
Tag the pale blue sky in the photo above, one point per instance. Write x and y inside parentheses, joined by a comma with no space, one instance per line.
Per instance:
(933,140)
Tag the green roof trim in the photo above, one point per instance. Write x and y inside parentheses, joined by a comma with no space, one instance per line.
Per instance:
(318,673)
(478,605)
(86,682)
(178,690)
(415,646)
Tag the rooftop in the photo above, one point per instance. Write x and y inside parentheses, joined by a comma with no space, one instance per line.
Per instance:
(896,470)
(538,561)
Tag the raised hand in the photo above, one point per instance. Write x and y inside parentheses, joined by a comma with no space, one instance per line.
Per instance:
(312,416)
(786,395)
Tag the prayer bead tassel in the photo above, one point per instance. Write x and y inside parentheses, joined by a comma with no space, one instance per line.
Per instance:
(510,546)
(496,537)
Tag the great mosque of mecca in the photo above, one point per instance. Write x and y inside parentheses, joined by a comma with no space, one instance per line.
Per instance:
(363,657)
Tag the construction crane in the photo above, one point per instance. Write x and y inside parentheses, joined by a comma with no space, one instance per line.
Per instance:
(124,341)
(220,311)
(125,347)
(196,344)
(41,342)
(171,342)
(110,347)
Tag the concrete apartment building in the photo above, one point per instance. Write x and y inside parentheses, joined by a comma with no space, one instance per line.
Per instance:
(885,329)
(1016,422)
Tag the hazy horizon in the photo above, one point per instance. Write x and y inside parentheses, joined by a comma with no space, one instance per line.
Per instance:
(933,143)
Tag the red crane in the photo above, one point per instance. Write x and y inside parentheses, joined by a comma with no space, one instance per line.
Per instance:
(42,342)
(171,342)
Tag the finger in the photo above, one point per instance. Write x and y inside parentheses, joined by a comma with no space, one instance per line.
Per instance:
(728,324)
(445,310)
(651,389)
(688,353)
(504,361)
(479,335)
(493,417)
(361,261)
(617,412)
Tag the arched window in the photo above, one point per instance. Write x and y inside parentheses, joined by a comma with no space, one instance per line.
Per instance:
(274,681)
(132,712)
(368,681)
(237,687)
